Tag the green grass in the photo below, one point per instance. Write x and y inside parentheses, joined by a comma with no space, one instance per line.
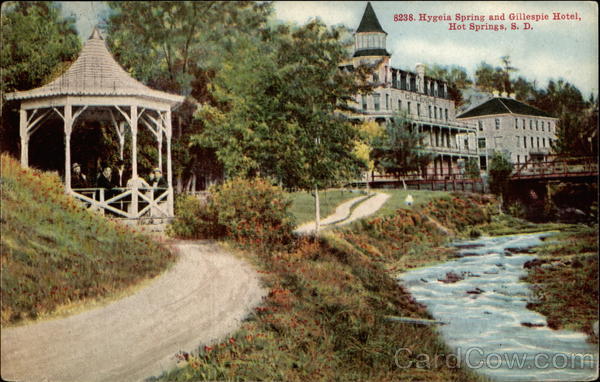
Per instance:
(54,253)
(396,201)
(567,286)
(506,224)
(303,203)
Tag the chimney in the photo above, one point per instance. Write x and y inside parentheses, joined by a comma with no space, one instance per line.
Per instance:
(420,68)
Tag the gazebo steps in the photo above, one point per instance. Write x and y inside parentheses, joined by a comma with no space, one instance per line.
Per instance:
(149,225)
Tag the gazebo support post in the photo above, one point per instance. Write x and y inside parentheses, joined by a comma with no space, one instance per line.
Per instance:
(24,138)
(134,174)
(68,120)
(159,137)
(169,133)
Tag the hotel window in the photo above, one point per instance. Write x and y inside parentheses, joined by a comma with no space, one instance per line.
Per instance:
(543,142)
(516,123)
(480,124)
(536,124)
(399,105)
(429,108)
(376,101)
(408,107)
(497,142)
(497,122)
(538,142)
(518,159)
(435,112)
(530,124)
(418,110)
(446,112)
(531,142)
(375,77)
(364,102)
(542,125)
(523,123)
(518,141)
(387,102)
(481,143)
(525,142)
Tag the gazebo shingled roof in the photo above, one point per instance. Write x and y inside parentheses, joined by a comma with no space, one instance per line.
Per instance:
(95,72)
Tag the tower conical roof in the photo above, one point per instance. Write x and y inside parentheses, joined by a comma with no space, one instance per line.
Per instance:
(369,22)
(95,72)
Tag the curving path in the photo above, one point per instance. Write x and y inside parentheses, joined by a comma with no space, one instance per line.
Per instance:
(201,299)
(367,205)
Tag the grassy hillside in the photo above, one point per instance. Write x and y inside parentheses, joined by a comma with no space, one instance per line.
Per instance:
(54,252)
(565,280)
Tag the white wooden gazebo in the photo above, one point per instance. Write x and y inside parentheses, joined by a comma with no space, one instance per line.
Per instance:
(96,87)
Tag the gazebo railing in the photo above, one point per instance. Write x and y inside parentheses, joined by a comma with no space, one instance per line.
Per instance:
(126,203)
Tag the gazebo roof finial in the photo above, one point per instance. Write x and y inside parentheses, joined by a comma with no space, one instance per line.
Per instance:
(96,34)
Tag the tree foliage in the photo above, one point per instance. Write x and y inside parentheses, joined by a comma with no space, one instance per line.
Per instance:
(472,170)
(179,47)
(277,108)
(456,78)
(499,172)
(37,44)
(399,150)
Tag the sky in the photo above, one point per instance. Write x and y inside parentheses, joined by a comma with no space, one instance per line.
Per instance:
(551,49)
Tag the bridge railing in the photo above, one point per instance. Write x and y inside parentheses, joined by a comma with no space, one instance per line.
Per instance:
(560,167)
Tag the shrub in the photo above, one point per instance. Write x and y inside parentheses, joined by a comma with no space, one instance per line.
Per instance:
(249,211)
(252,211)
(474,233)
(195,219)
(517,209)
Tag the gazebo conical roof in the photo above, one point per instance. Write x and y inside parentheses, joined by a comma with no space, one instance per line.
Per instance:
(95,73)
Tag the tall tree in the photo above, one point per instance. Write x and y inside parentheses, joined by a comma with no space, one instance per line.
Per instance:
(507,69)
(399,151)
(489,78)
(499,173)
(277,110)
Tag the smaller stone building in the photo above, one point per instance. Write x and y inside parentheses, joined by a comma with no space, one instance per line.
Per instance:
(504,124)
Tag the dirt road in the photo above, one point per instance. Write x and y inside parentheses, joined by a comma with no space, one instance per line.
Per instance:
(200,300)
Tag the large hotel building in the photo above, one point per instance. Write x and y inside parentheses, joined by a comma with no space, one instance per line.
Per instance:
(426,102)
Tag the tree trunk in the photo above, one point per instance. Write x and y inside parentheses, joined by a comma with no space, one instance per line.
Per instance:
(317,211)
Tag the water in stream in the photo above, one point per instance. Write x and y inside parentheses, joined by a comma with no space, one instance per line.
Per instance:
(484,313)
